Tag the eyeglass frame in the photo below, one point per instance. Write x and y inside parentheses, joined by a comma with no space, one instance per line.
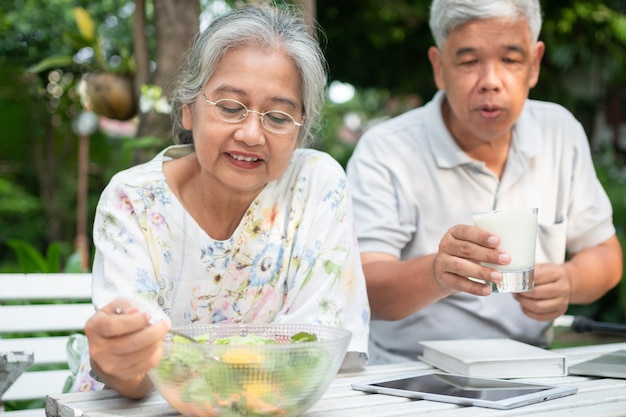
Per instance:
(248,111)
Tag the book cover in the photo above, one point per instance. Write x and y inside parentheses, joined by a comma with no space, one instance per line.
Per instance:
(493,358)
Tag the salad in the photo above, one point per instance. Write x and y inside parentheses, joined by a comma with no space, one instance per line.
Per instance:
(238,376)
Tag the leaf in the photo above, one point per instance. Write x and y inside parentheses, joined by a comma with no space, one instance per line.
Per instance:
(53,257)
(302,337)
(76,41)
(141,143)
(51,62)
(28,257)
(86,26)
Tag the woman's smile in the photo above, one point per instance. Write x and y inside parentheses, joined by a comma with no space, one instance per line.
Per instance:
(245,161)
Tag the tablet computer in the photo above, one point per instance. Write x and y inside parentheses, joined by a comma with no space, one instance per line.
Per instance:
(464,390)
(609,365)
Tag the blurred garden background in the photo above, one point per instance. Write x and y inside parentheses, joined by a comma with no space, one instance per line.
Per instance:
(84,84)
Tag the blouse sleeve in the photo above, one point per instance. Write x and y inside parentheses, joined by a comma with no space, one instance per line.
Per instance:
(123,266)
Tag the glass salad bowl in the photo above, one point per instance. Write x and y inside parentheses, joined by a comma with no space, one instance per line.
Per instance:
(248,369)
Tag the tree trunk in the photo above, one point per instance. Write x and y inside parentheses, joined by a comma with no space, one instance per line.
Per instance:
(176,23)
(45,162)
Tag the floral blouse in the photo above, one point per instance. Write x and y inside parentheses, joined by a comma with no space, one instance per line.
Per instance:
(293,257)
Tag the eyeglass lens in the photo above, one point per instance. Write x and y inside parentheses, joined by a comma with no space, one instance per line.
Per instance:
(232,111)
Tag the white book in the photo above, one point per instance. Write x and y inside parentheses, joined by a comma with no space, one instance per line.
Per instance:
(493,358)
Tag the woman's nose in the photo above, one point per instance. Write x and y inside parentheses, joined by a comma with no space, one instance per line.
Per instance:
(251,130)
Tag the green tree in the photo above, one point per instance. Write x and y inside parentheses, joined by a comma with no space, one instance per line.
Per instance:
(39,152)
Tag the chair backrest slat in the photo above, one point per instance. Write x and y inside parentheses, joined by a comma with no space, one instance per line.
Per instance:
(38,313)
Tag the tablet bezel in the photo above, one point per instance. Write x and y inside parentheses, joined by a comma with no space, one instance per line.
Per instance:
(549,391)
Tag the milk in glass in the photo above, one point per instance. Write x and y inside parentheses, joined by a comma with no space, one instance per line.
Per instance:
(518,236)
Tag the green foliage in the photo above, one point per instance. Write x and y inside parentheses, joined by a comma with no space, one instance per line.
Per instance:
(611,307)
(27,35)
(586,33)
(30,260)
(83,35)
(378,43)
(14,201)
(21,24)
(39,157)
(21,214)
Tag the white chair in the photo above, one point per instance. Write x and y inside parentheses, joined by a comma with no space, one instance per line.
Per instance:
(32,305)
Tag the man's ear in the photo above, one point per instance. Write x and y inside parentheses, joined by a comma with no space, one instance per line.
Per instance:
(538,52)
(434,56)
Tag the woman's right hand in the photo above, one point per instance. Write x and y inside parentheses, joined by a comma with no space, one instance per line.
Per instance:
(124,346)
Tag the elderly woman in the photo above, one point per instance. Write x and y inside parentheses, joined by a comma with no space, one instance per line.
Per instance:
(238,222)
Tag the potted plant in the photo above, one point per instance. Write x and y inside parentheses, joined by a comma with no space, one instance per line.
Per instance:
(107,90)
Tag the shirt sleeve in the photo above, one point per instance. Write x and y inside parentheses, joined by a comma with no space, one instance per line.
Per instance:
(589,210)
(384,218)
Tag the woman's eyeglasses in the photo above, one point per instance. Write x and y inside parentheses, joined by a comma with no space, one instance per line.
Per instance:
(233,111)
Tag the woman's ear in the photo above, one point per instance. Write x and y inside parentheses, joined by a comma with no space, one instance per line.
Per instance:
(187,120)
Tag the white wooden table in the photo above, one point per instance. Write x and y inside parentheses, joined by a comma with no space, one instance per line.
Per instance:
(596,397)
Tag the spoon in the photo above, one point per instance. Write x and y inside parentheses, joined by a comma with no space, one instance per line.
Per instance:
(207,355)
(173,333)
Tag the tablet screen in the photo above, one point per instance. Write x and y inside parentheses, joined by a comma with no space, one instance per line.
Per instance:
(461,386)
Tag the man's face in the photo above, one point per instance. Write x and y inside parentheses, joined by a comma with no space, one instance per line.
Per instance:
(486,68)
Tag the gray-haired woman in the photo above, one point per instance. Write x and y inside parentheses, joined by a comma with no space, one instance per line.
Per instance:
(237,222)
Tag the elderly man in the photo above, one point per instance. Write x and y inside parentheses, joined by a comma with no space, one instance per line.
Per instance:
(479,144)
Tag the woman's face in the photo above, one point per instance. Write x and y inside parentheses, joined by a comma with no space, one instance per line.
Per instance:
(243,157)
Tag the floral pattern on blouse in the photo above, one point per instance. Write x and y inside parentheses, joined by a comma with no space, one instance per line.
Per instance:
(293,257)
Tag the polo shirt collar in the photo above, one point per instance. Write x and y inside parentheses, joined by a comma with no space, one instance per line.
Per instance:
(449,155)
(527,134)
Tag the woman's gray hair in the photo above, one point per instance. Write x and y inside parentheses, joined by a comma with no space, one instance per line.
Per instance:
(446,15)
(259,25)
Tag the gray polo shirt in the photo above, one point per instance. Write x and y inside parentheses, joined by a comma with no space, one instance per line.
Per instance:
(411,182)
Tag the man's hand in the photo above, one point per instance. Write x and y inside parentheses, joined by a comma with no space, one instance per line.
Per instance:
(399,288)
(551,295)
(461,251)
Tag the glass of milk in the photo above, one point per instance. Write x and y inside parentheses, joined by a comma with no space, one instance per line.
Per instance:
(518,236)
